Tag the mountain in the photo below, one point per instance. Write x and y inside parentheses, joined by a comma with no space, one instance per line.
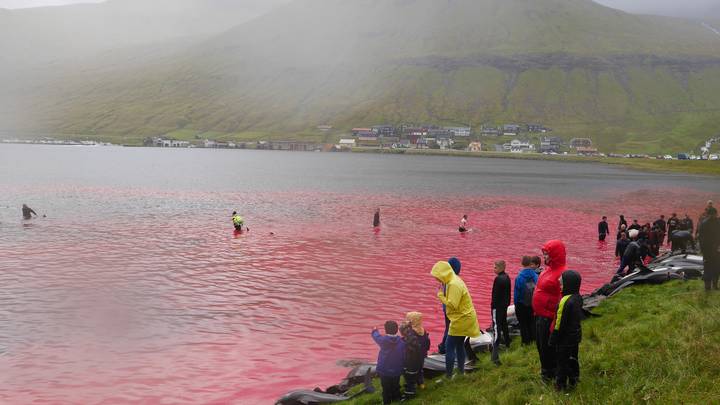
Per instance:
(697,9)
(631,82)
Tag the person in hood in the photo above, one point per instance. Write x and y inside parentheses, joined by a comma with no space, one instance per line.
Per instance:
(456,266)
(603,229)
(632,256)
(460,310)
(545,303)
(525,284)
(417,345)
(567,331)
(498,310)
(391,359)
(709,244)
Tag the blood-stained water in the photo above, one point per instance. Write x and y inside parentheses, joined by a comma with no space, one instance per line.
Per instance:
(135,289)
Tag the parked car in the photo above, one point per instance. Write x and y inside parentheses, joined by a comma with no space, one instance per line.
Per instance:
(683,156)
(713,157)
(668,157)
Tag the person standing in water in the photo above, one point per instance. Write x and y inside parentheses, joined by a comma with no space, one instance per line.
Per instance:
(238,221)
(603,229)
(376,218)
(28,212)
(463,224)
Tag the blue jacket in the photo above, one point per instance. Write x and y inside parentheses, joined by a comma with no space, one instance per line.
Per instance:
(391,358)
(520,281)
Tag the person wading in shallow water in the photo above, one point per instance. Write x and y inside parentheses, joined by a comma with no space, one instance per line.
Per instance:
(463,224)
(376,218)
(603,229)
(238,221)
(28,212)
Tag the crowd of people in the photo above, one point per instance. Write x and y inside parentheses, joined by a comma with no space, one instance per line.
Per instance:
(547,305)
(636,244)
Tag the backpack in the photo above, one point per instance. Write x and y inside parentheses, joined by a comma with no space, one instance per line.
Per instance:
(528,292)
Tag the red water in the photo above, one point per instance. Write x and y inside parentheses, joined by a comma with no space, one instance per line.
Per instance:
(143,305)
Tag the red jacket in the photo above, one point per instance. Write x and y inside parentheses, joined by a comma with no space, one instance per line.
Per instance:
(548,293)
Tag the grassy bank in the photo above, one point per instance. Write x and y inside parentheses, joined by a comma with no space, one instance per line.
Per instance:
(652,344)
(701,167)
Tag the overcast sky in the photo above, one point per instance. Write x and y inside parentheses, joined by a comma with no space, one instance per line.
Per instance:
(38,3)
(659,6)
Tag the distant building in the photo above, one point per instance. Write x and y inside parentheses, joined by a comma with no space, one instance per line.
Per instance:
(587,151)
(550,144)
(169,143)
(518,146)
(368,141)
(581,143)
(537,128)
(459,132)
(511,129)
(490,131)
(440,133)
(346,144)
(361,131)
(384,130)
(475,147)
(324,128)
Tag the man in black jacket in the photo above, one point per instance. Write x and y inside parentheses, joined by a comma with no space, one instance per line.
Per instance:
(567,331)
(673,224)
(709,244)
(631,258)
(603,229)
(662,228)
(499,306)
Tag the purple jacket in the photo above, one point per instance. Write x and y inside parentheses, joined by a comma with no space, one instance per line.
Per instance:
(391,357)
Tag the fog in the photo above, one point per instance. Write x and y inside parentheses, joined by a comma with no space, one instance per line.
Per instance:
(675,8)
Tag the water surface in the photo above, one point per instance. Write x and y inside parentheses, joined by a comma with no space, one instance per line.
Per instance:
(134,288)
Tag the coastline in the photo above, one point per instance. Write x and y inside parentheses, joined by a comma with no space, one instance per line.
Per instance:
(695,167)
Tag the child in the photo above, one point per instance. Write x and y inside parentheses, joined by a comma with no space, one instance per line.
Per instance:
(536,264)
(417,344)
(390,361)
(567,331)
(524,287)
(498,307)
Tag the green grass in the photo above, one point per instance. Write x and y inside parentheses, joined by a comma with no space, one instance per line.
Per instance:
(652,344)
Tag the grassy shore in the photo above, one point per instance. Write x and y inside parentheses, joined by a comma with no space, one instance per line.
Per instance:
(701,167)
(651,344)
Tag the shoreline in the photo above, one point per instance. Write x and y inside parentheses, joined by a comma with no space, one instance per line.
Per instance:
(691,167)
(694,167)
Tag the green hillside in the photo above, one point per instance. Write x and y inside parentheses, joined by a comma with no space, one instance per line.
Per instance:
(632,83)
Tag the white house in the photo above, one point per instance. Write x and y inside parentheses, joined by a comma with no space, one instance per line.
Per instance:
(518,146)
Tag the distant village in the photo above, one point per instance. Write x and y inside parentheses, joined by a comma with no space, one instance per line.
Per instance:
(507,138)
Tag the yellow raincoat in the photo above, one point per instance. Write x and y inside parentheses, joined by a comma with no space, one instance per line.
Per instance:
(457,301)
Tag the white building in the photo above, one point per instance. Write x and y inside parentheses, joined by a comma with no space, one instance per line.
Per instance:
(518,146)
(459,131)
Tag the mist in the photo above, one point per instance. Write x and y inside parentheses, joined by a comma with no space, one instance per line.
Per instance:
(672,8)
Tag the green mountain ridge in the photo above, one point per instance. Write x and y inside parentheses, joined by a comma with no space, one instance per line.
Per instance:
(632,83)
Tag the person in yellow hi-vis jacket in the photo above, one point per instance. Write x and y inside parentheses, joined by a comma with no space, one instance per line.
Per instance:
(460,310)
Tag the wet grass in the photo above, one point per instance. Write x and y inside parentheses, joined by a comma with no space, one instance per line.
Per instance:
(652,344)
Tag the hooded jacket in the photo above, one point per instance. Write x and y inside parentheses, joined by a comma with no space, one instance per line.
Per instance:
(566,329)
(521,283)
(417,345)
(391,357)
(547,292)
(458,303)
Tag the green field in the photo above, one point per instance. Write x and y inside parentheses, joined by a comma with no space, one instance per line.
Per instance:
(651,344)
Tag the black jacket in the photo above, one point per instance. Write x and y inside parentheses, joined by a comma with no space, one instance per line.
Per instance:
(416,347)
(620,247)
(567,330)
(710,236)
(661,225)
(632,253)
(603,228)
(501,292)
